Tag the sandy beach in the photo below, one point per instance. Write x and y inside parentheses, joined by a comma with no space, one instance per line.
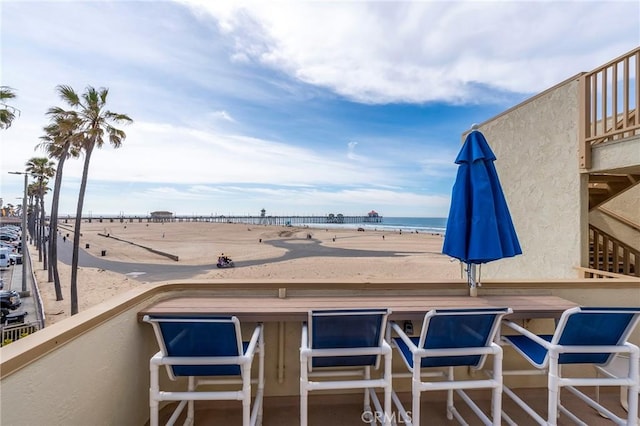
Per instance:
(388,255)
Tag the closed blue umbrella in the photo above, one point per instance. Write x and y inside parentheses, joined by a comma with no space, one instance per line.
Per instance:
(479,227)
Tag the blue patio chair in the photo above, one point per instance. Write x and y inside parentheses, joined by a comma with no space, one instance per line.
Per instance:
(589,336)
(207,350)
(452,338)
(338,350)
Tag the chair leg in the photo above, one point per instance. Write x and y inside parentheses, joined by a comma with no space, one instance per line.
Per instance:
(303,405)
(496,393)
(415,399)
(552,385)
(367,400)
(260,377)
(190,406)
(154,389)
(450,407)
(631,404)
(388,388)
(246,392)
(304,393)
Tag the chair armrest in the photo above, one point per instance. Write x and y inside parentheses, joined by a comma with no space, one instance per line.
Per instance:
(527,333)
(304,341)
(251,348)
(395,327)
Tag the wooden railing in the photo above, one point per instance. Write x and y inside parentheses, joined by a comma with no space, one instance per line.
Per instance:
(610,96)
(612,255)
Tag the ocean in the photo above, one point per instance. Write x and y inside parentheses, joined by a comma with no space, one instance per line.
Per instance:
(434,225)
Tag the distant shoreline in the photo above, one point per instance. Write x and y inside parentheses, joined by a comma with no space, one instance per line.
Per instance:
(429,225)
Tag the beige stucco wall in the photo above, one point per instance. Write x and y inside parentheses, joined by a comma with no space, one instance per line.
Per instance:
(98,378)
(537,161)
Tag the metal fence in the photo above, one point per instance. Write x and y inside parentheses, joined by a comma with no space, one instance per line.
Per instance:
(11,333)
(33,285)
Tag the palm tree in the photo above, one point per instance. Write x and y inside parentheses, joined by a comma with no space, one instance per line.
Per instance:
(7,112)
(59,141)
(94,121)
(43,169)
(32,193)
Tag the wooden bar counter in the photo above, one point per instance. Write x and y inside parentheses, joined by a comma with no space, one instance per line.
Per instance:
(411,307)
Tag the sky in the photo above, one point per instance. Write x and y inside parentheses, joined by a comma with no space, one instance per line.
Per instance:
(295,107)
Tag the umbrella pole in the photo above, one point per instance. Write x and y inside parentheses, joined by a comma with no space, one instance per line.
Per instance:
(471,276)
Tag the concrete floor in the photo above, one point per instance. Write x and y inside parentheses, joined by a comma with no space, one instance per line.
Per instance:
(346,410)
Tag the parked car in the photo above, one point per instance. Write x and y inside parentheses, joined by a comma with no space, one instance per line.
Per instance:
(4,257)
(9,237)
(15,258)
(10,299)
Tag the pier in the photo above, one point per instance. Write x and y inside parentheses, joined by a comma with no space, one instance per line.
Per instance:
(251,220)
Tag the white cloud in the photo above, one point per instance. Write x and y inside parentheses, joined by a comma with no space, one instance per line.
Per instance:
(351,151)
(222,115)
(421,51)
(156,152)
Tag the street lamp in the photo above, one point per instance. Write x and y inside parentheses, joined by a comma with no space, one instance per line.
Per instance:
(24,225)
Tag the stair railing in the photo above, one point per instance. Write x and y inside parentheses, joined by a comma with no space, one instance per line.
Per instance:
(609,99)
(609,254)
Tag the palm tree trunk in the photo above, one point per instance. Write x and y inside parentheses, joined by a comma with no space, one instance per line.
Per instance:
(53,232)
(43,239)
(76,230)
(36,226)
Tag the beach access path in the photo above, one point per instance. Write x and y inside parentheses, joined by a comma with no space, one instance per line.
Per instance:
(296,248)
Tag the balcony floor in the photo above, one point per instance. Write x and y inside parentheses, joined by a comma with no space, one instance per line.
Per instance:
(346,410)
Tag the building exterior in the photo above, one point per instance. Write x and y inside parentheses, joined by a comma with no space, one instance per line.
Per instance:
(555,194)
(161,216)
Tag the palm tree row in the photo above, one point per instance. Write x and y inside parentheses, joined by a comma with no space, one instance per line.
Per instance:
(60,142)
(85,124)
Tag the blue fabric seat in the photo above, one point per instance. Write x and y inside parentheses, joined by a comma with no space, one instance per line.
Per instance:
(451,338)
(207,350)
(338,350)
(587,335)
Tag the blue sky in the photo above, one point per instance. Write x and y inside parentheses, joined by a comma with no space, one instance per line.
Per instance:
(297,107)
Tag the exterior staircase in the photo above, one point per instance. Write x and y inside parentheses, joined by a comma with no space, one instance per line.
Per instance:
(609,134)
(607,253)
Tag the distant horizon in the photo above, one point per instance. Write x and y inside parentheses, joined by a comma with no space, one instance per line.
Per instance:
(134,215)
(435,225)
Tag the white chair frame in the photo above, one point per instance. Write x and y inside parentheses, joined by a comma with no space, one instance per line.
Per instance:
(363,373)
(493,380)
(618,367)
(250,417)
(555,381)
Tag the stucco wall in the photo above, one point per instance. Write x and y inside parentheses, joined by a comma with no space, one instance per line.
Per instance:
(98,378)
(537,161)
